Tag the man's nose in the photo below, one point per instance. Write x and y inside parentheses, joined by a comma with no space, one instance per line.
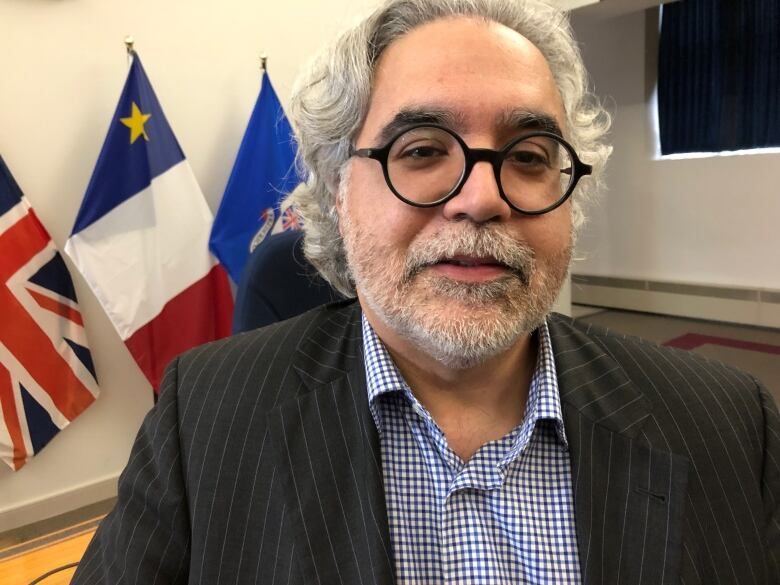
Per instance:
(480,199)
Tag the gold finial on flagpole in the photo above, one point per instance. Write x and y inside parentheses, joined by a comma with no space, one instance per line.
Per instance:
(264,61)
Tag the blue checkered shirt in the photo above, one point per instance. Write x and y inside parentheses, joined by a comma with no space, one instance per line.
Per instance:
(504,517)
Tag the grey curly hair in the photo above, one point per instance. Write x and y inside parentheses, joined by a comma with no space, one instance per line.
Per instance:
(331,98)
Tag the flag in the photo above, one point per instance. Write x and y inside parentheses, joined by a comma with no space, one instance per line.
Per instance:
(140,238)
(46,374)
(264,172)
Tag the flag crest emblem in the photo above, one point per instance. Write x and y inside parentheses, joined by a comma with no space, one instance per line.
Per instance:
(267,219)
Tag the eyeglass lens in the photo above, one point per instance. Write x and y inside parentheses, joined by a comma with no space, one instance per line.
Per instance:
(426,164)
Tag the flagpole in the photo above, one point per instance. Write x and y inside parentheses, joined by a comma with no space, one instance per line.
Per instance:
(264,62)
(129,41)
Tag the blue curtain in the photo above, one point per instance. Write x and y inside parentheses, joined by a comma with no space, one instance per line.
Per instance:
(719,75)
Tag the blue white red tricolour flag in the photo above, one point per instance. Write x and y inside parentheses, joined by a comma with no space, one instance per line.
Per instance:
(141,237)
(264,172)
(46,373)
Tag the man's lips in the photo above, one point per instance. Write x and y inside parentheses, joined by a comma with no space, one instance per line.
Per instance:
(472,261)
(471,268)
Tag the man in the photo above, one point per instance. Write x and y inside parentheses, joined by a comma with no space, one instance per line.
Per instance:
(444,428)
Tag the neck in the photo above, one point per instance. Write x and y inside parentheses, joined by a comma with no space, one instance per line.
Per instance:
(471,405)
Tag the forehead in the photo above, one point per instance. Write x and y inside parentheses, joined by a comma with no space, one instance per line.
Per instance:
(479,72)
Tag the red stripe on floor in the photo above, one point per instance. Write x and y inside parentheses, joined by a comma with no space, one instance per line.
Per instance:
(694,340)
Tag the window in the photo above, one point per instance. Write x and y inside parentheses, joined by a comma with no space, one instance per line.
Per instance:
(719,75)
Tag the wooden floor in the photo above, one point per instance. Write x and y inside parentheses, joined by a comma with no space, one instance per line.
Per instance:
(27,563)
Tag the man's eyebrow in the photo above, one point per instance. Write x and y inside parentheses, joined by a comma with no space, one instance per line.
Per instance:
(418,115)
(517,119)
(529,120)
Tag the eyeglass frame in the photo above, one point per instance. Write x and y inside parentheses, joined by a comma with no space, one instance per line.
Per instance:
(473,156)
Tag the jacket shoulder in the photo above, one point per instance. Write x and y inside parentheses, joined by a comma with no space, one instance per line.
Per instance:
(636,352)
(260,357)
(685,391)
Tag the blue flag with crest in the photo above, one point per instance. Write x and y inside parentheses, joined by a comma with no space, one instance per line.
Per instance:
(264,172)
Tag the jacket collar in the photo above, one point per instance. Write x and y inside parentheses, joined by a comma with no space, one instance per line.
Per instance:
(593,383)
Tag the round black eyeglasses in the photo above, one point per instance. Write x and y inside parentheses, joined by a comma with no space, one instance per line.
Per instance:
(427,165)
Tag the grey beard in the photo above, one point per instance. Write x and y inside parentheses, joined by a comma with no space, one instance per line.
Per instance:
(496,313)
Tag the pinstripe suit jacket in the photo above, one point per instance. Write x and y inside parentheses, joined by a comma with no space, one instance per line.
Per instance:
(261,464)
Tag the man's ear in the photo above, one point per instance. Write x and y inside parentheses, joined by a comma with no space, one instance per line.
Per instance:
(335,188)
(336,182)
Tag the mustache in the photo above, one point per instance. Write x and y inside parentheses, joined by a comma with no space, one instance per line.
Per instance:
(468,239)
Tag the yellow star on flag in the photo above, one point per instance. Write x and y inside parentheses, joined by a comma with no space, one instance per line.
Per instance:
(136,123)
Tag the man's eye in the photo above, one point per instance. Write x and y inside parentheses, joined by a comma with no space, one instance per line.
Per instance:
(423,152)
(527,158)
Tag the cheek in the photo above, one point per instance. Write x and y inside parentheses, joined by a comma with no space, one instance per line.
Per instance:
(366,193)
(395,229)
(373,208)
(550,234)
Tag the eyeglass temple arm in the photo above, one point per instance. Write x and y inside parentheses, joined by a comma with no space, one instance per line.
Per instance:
(364,152)
(583,168)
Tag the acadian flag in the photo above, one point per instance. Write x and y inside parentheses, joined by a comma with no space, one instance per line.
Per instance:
(141,237)
(264,172)
(46,374)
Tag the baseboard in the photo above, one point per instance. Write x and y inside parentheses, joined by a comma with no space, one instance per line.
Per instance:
(60,503)
(746,306)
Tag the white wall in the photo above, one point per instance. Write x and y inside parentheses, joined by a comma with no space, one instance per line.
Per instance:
(62,67)
(706,221)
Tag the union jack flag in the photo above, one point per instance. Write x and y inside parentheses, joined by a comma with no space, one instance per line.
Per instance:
(46,373)
(291,220)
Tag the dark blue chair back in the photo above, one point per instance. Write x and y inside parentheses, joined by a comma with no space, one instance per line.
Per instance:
(278,283)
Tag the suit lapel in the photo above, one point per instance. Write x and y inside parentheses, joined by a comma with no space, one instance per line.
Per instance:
(628,497)
(330,459)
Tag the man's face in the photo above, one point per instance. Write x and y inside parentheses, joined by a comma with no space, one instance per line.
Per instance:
(465,280)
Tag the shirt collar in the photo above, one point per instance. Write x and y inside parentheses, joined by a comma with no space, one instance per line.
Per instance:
(544,385)
(544,400)
(381,372)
